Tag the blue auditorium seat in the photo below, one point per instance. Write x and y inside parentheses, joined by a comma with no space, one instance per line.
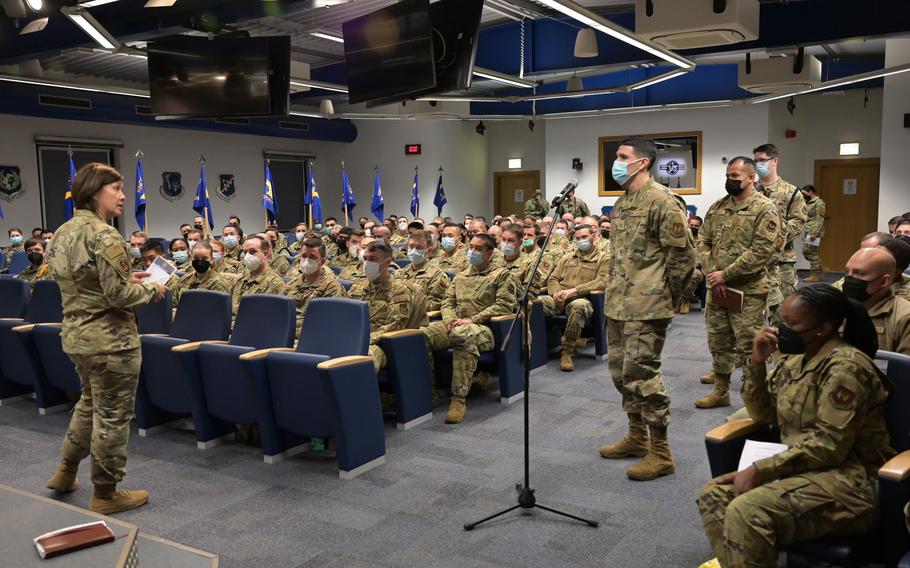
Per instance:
(407,374)
(335,269)
(155,317)
(20,357)
(889,542)
(402,262)
(2,262)
(346,284)
(163,396)
(291,236)
(18,262)
(595,327)
(222,395)
(327,388)
(57,366)
(13,297)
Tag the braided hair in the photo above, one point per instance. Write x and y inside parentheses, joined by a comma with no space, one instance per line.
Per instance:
(828,304)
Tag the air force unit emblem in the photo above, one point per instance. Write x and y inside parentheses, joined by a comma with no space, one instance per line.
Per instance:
(171,186)
(226,189)
(10,183)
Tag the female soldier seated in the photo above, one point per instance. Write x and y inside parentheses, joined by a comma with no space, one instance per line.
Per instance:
(827,397)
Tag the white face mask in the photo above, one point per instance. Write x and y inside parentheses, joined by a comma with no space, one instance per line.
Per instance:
(368,232)
(402,226)
(251,261)
(371,270)
(352,250)
(308,266)
(300,235)
(192,244)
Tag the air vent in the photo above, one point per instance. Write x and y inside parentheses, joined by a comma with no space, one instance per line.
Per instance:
(66,102)
(143,110)
(287,125)
(238,121)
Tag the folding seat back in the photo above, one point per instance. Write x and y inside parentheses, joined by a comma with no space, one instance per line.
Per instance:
(13,297)
(57,366)
(346,284)
(202,315)
(896,416)
(46,305)
(335,327)
(402,262)
(18,262)
(155,317)
(264,320)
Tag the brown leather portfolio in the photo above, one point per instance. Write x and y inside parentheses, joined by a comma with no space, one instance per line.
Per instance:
(73,538)
(733,300)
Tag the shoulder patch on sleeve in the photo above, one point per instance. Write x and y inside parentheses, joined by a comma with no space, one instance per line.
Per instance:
(116,256)
(842,398)
(772,224)
(677,230)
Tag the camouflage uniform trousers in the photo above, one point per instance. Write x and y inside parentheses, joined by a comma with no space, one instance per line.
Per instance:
(378,356)
(100,424)
(810,253)
(467,342)
(730,334)
(633,355)
(787,279)
(577,312)
(748,531)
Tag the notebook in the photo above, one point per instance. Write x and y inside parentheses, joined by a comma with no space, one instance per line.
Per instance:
(73,538)
(733,301)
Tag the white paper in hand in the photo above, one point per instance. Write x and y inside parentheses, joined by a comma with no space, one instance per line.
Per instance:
(754,451)
(160,271)
(816,242)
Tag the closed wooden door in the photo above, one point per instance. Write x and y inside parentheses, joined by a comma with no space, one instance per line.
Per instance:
(850,190)
(512,189)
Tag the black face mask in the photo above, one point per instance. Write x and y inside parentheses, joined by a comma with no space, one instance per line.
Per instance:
(789,341)
(198,226)
(605,233)
(201,266)
(36,258)
(856,288)
(694,232)
(734,186)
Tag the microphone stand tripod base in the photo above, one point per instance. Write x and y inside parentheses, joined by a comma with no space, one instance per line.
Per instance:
(526,500)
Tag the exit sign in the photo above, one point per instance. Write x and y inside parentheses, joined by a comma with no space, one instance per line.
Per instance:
(412,150)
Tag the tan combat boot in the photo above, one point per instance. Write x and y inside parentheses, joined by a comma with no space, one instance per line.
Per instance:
(108,500)
(707,379)
(658,462)
(635,444)
(481,383)
(720,396)
(64,479)
(568,351)
(457,408)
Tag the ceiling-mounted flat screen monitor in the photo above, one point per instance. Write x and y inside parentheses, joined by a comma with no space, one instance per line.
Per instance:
(389,53)
(456,25)
(191,76)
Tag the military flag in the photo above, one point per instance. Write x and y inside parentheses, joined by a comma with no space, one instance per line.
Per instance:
(268,196)
(378,205)
(68,204)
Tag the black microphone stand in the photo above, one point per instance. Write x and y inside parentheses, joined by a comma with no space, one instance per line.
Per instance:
(526,498)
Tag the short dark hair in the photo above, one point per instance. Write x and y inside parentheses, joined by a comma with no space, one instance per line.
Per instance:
(314,243)
(642,148)
(89,180)
(264,244)
(810,188)
(152,246)
(185,225)
(900,250)
(749,163)
(202,245)
(516,230)
(895,220)
(345,231)
(903,221)
(583,226)
(379,246)
(415,225)
(197,231)
(423,235)
(14,229)
(327,219)
(769,150)
(234,217)
(697,218)
(178,240)
(488,241)
(29,243)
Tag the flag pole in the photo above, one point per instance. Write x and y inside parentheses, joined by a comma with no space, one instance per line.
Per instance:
(347,219)
(416,209)
(145,210)
(305,190)
(267,164)
(205,210)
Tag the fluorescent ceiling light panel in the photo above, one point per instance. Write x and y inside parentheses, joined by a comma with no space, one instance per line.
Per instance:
(62,85)
(35,5)
(601,24)
(655,80)
(842,82)
(319,85)
(93,3)
(34,26)
(160,3)
(325,34)
(503,78)
(849,149)
(90,26)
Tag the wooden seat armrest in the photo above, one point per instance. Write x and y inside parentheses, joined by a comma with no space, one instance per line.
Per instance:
(263,353)
(732,430)
(400,333)
(897,468)
(194,346)
(345,361)
(434,314)
(154,335)
(27,327)
(507,317)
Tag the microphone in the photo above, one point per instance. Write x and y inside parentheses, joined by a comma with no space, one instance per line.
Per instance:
(557,201)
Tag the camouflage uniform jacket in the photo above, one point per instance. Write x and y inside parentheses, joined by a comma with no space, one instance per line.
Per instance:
(653,254)
(331,247)
(584,272)
(521,267)
(267,282)
(576,206)
(740,239)
(280,264)
(830,410)
(815,217)
(891,318)
(345,260)
(547,263)
(791,206)
(498,260)
(211,280)
(228,265)
(352,273)
(34,273)
(536,207)
(480,295)
(90,262)
(430,279)
(185,267)
(390,305)
(12,249)
(397,238)
(235,253)
(302,291)
(455,262)
(137,264)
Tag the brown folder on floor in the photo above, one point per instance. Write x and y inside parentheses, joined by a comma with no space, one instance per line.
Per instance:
(73,538)
(733,301)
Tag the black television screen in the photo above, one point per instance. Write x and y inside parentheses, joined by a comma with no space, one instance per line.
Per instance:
(456,24)
(191,76)
(389,53)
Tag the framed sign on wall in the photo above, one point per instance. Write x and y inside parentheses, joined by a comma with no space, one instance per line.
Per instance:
(678,164)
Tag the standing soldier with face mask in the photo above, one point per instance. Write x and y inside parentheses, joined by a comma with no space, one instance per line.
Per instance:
(652,263)
(740,235)
(815,230)
(537,206)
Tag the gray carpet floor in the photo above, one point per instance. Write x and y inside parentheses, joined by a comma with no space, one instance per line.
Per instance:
(410,511)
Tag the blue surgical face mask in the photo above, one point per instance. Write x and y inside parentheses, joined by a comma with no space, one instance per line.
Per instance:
(763,168)
(216,256)
(475,257)
(507,249)
(230,241)
(620,171)
(417,256)
(135,252)
(180,256)
(16,240)
(584,245)
(448,243)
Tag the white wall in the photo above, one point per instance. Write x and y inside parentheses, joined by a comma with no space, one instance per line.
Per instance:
(513,139)
(451,144)
(894,183)
(725,132)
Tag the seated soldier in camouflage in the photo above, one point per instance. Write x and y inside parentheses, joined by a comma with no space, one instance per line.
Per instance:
(452,258)
(576,275)
(180,254)
(828,399)
(38,269)
(313,281)
(390,300)
(475,296)
(226,265)
(137,240)
(279,259)
(350,240)
(518,263)
(203,276)
(300,233)
(529,246)
(232,238)
(354,272)
(152,250)
(427,277)
(258,278)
